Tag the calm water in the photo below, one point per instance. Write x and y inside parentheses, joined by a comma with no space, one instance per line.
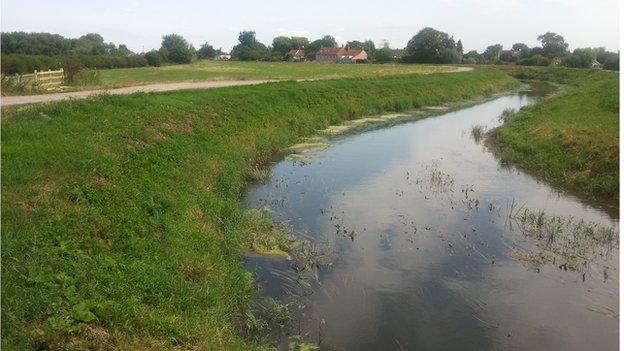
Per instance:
(415,220)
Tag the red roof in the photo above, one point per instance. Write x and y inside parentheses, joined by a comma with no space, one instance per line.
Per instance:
(341,51)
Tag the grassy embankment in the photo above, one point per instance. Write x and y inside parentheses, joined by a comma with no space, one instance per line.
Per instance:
(122,226)
(572,138)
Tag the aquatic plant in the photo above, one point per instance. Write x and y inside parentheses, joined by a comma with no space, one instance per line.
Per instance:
(570,242)
(507,115)
(477,132)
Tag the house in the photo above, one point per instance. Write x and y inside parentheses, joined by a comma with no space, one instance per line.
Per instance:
(597,65)
(296,55)
(223,57)
(397,53)
(340,55)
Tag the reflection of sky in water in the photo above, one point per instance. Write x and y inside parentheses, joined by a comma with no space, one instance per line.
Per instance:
(425,271)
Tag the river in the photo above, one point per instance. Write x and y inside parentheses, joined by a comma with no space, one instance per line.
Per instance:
(424,241)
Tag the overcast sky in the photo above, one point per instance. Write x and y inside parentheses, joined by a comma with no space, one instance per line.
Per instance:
(478,23)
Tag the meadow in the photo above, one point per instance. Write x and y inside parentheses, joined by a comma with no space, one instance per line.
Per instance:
(122,225)
(570,139)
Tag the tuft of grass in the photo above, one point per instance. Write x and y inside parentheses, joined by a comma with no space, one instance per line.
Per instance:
(507,115)
(572,138)
(477,132)
(86,78)
(121,215)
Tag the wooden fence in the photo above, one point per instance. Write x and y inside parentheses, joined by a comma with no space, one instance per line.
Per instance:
(45,79)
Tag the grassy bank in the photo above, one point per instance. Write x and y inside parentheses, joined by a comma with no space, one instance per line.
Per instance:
(571,139)
(122,226)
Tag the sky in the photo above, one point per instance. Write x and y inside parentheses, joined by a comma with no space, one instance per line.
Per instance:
(478,23)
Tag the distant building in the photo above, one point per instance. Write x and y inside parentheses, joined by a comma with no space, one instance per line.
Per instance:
(340,55)
(597,65)
(296,55)
(223,57)
(397,53)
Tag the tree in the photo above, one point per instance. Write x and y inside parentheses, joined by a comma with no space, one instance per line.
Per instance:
(327,41)
(460,47)
(206,51)
(247,38)
(123,50)
(284,44)
(580,58)
(248,48)
(509,56)
(383,55)
(492,53)
(175,48)
(90,44)
(430,46)
(368,46)
(523,50)
(449,55)
(35,44)
(612,62)
(472,57)
(153,58)
(553,44)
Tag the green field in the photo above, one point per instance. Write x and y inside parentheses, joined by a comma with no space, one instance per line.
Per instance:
(247,70)
(122,225)
(571,139)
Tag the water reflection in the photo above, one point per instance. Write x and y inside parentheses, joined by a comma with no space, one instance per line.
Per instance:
(417,219)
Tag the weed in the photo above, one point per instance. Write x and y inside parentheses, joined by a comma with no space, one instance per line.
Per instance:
(477,132)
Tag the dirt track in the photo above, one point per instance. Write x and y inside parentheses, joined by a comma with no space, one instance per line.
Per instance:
(34,99)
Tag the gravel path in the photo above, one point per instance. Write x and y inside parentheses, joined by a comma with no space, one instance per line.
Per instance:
(34,99)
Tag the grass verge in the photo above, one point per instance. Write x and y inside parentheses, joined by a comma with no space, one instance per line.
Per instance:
(572,138)
(122,225)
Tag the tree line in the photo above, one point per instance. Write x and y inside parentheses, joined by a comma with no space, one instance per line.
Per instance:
(25,52)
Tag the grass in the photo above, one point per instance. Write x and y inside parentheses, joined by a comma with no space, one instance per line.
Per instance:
(241,70)
(570,139)
(122,225)
(477,132)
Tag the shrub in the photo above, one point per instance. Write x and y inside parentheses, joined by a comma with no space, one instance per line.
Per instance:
(21,64)
(612,62)
(580,58)
(153,58)
(535,60)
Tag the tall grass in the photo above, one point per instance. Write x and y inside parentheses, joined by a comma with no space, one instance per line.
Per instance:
(122,225)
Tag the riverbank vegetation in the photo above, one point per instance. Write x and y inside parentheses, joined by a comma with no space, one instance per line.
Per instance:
(122,226)
(572,138)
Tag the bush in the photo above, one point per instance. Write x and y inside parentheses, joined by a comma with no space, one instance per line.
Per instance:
(22,64)
(612,62)
(535,60)
(153,58)
(580,58)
